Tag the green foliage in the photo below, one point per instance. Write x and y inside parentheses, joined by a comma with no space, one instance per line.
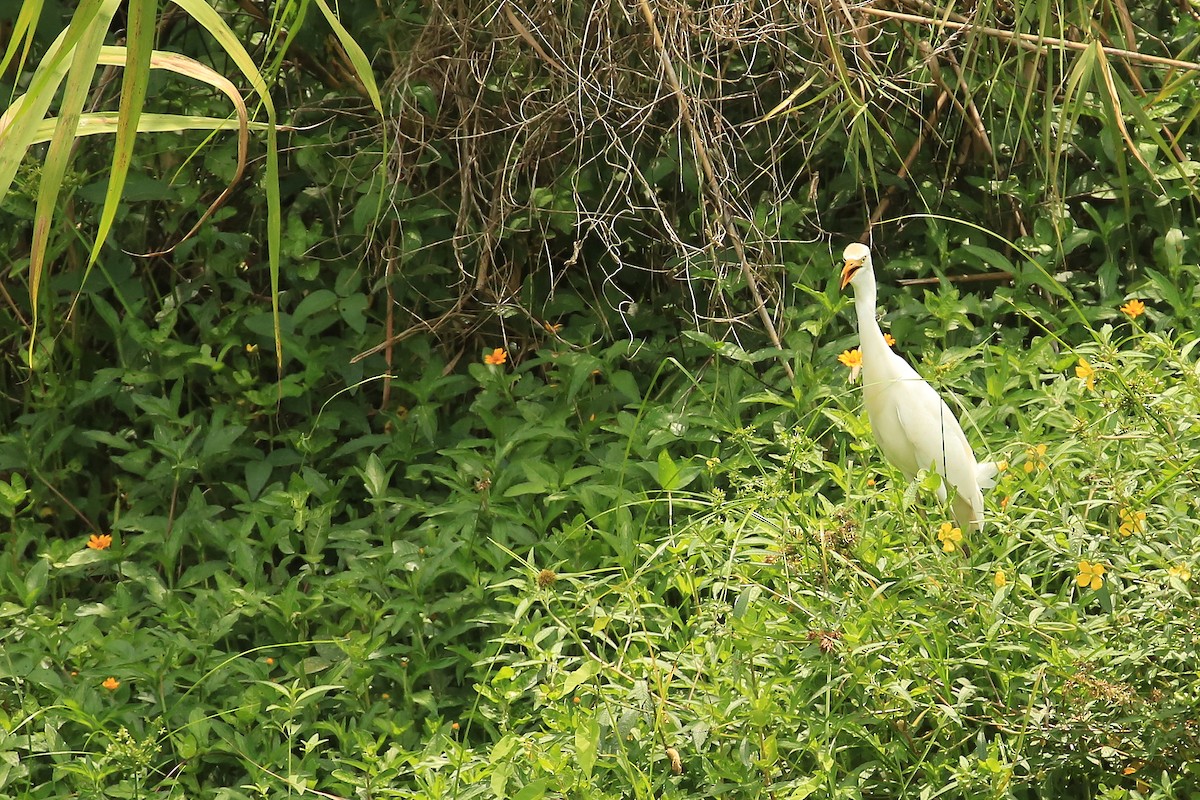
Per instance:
(536,578)
(511,497)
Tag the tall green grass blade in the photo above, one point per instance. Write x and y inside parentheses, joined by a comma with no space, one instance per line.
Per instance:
(23,30)
(357,56)
(138,47)
(212,22)
(79,79)
(28,110)
(102,123)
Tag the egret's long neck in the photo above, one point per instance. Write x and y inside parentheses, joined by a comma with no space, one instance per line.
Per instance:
(869,333)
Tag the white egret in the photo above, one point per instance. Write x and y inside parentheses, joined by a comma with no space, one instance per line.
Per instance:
(913,426)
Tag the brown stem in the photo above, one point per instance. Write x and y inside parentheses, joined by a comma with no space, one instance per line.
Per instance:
(685,114)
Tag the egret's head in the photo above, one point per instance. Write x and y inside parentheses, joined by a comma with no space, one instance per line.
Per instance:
(856,257)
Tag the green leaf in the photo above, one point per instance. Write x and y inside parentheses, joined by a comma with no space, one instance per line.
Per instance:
(587,744)
(139,43)
(667,473)
(586,672)
(534,790)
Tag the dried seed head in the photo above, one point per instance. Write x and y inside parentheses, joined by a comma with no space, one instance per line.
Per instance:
(547,578)
(826,639)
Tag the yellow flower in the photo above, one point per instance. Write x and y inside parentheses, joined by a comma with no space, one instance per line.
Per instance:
(111,683)
(1131,522)
(99,541)
(251,349)
(497,356)
(950,537)
(1134,308)
(891,340)
(1001,580)
(853,360)
(1090,575)
(553,327)
(1181,571)
(1087,373)
(1034,458)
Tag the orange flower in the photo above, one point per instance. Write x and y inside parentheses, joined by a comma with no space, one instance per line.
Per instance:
(1134,308)
(111,683)
(853,360)
(891,340)
(99,541)
(497,356)
(1087,373)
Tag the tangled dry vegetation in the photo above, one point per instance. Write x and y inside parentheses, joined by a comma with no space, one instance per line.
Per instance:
(692,151)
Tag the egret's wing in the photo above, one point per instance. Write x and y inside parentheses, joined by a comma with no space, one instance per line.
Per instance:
(936,438)
(922,416)
(939,443)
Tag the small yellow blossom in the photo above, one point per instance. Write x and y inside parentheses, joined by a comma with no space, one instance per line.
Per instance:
(100,541)
(497,356)
(1001,580)
(111,683)
(889,339)
(1134,308)
(950,537)
(853,360)
(1181,571)
(1035,458)
(251,349)
(1090,575)
(1131,522)
(554,327)
(1087,373)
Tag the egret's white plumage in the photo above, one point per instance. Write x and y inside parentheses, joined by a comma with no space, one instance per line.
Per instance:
(913,426)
